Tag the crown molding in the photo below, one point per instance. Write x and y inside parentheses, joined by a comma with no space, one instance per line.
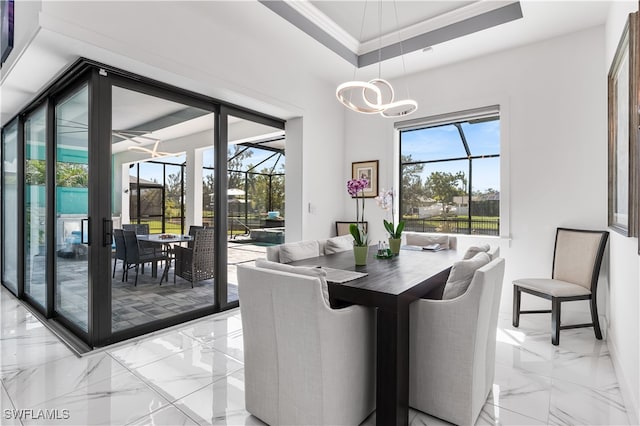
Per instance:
(328,25)
(444,20)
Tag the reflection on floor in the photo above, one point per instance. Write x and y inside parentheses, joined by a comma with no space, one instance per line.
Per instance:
(193,375)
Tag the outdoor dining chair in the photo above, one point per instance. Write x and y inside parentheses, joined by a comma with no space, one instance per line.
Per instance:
(136,257)
(197,263)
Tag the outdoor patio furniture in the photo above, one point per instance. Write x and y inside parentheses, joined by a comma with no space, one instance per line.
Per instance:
(135,256)
(149,249)
(138,228)
(197,263)
(192,233)
(120,254)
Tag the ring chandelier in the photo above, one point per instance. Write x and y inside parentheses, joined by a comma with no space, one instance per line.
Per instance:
(377,95)
(372,98)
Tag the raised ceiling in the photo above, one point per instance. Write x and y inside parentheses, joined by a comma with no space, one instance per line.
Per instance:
(368,32)
(344,14)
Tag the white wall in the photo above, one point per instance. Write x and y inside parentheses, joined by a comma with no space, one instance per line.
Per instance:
(553,108)
(624,321)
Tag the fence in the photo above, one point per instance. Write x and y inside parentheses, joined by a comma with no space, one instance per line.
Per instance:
(455,226)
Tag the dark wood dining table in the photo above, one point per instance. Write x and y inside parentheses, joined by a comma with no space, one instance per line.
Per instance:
(390,286)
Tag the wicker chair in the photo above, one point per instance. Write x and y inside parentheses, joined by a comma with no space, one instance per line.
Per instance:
(197,263)
(192,233)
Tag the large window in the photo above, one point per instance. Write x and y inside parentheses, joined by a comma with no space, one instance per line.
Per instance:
(450,173)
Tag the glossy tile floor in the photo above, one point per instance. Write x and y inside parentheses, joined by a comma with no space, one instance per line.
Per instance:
(193,375)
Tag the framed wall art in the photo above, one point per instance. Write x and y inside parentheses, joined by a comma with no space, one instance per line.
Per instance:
(623,132)
(368,170)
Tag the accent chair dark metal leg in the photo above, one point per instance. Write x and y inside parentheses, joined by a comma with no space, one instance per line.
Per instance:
(517,295)
(135,284)
(115,261)
(165,273)
(594,317)
(555,321)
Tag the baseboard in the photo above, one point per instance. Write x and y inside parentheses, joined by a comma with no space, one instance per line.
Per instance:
(630,403)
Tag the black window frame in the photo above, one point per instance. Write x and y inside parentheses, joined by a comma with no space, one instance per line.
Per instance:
(456,120)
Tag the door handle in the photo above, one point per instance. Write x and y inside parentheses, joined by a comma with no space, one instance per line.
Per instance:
(107,232)
(85,235)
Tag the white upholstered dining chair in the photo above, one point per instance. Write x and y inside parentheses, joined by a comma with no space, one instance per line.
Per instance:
(452,346)
(447,242)
(290,252)
(305,363)
(576,266)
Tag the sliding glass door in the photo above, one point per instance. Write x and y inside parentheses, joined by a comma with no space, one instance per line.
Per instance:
(10,207)
(101,148)
(35,207)
(72,208)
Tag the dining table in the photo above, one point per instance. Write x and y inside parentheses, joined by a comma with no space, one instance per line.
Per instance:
(163,240)
(390,285)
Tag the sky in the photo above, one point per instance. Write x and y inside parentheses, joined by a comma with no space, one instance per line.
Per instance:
(444,142)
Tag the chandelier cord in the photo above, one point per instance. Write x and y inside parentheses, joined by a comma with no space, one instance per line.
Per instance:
(404,66)
(380,39)
(355,68)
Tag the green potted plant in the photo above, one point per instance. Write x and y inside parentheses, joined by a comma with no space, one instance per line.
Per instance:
(385,202)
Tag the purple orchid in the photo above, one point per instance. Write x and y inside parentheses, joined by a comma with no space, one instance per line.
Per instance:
(354,186)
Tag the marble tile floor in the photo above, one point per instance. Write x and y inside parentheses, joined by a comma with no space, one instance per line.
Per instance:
(192,374)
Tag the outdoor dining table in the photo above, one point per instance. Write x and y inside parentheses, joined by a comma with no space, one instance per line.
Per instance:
(163,240)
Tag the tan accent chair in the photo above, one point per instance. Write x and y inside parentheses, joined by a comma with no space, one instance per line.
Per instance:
(304,363)
(342,228)
(576,265)
(452,348)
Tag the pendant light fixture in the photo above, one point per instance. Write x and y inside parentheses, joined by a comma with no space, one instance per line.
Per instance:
(377,95)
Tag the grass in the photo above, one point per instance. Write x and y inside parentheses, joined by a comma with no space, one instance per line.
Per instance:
(457,224)
(155,227)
